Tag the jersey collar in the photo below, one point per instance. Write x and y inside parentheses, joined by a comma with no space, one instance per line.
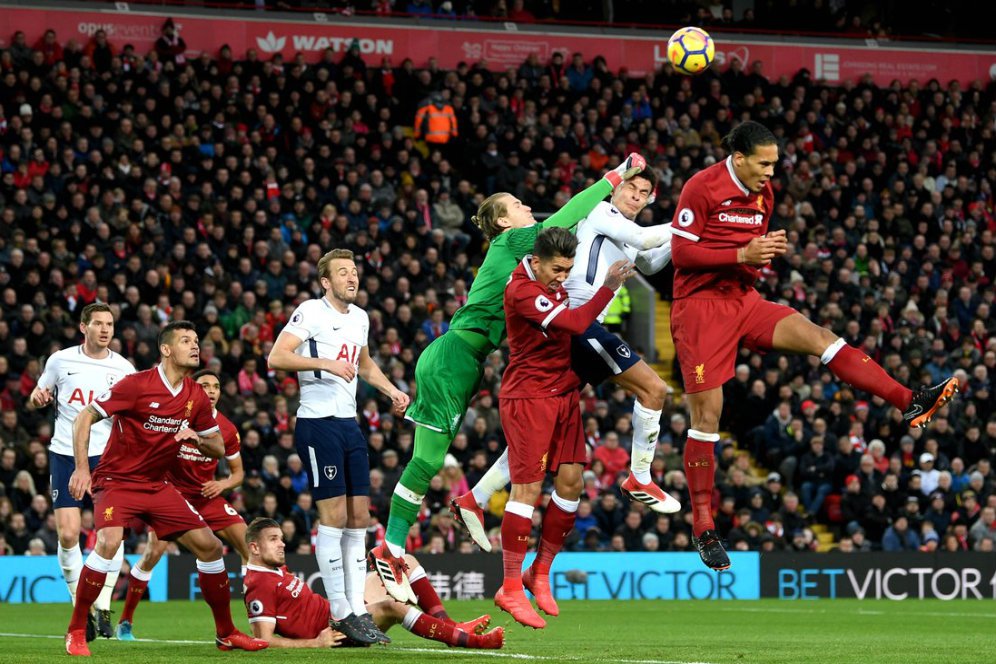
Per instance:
(529,269)
(259,568)
(733,176)
(162,376)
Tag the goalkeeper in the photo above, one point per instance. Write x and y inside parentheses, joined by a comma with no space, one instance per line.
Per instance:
(449,370)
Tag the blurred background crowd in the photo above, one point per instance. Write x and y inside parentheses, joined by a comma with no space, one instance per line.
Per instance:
(207,188)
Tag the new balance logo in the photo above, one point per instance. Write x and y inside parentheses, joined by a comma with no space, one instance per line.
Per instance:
(154,404)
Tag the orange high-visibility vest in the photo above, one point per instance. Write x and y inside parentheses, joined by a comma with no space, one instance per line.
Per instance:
(440,125)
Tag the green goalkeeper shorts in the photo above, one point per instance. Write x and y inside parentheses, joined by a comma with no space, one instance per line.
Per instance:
(447,376)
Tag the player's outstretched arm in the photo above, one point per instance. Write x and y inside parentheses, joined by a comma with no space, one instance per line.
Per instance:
(328,638)
(623,231)
(576,321)
(372,375)
(581,205)
(79,482)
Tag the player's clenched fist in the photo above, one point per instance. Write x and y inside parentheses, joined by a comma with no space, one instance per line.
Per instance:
(342,369)
(633,164)
(618,273)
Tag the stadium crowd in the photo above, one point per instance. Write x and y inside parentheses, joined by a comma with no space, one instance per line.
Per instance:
(207,188)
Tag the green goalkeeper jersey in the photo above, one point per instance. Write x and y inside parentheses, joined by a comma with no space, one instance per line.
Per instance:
(483,311)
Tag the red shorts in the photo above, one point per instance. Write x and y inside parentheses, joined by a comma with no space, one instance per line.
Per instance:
(162,508)
(217,513)
(707,334)
(542,434)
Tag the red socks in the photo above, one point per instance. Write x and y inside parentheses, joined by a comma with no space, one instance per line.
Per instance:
(216,592)
(440,629)
(515,531)
(700,469)
(136,591)
(855,368)
(428,600)
(557,524)
(90,584)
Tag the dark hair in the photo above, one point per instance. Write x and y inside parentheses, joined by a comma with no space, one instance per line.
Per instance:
(650,175)
(166,336)
(91,309)
(553,242)
(746,136)
(258,525)
(206,372)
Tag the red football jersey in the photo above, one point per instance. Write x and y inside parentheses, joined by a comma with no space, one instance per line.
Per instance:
(540,326)
(716,211)
(148,413)
(192,469)
(278,597)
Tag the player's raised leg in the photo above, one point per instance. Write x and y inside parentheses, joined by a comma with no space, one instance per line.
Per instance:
(650,391)
(468,509)
(557,524)
(797,334)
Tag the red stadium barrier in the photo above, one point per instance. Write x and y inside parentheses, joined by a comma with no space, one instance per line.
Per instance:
(451,42)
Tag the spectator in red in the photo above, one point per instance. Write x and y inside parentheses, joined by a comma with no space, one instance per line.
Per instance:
(170,46)
(49,47)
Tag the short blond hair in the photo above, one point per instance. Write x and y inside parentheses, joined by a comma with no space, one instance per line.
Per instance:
(325,262)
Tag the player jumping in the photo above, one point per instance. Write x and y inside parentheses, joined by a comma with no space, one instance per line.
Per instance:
(193,476)
(540,414)
(284,611)
(74,377)
(449,371)
(606,235)
(720,242)
(155,412)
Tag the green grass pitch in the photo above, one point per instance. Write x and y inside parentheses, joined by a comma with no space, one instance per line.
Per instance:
(638,632)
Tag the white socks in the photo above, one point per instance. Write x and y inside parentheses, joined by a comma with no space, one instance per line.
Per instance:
(71,562)
(832,351)
(410,618)
(354,564)
(520,509)
(646,429)
(328,552)
(103,602)
(494,480)
(211,566)
(569,506)
(140,573)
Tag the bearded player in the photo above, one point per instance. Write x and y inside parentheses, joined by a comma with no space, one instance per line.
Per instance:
(720,242)
(606,235)
(193,475)
(155,413)
(284,611)
(540,414)
(449,370)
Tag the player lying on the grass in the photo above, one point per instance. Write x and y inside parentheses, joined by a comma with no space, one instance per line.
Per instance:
(539,409)
(606,235)
(449,370)
(721,241)
(73,377)
(155,411)
(285,612)
(193,476)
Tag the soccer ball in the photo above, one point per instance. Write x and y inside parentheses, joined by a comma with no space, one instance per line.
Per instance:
(691,50)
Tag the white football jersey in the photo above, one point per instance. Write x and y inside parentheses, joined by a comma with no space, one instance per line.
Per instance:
(330,334)
(77,379)
(604,237)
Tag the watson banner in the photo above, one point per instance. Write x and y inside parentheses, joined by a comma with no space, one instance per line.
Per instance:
(26,579)
(451,42)
(893,576)
(574,576)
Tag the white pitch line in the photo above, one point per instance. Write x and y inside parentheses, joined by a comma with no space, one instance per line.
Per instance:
(864,612)
(433,651)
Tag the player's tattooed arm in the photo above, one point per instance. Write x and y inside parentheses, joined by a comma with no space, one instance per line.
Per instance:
(211,445)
